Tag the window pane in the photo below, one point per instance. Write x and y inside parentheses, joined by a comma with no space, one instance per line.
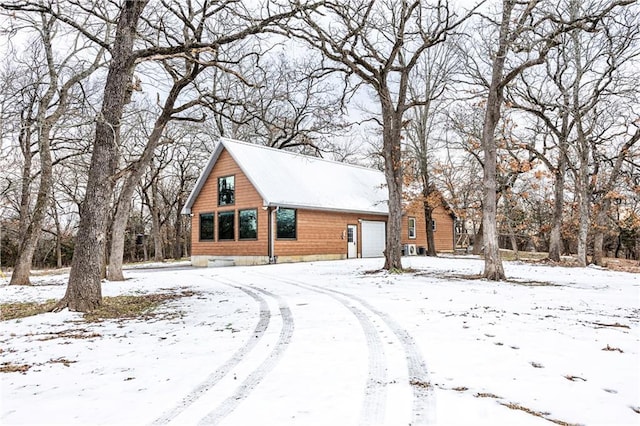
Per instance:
(225,225)
(248,224)
(286,223)
(412,227)
(206,226)
(226,191)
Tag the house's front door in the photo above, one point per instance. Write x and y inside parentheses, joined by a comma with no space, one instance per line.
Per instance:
(352,241)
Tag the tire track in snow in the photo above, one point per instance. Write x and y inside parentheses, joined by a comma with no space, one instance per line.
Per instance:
(374,404)
(213,379)
(416,365)
(245,388)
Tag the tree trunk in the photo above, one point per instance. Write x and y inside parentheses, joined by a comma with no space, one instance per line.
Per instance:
(118,228)
(598,248)
(28,245)
(393,174)
(555,242)
(123,207)
(177,244)
(428,215)
(583,207)
(478,241)
(512,232)
(56,219)
(600,227)
(156,227)
(84,292)
(605,203)
(493,269)
(24,138)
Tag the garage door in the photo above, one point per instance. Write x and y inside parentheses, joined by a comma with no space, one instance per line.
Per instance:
(373,238)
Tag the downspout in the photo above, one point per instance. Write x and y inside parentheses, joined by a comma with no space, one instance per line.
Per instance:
(271,234)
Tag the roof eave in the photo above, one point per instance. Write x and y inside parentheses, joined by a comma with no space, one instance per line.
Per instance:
(325,209)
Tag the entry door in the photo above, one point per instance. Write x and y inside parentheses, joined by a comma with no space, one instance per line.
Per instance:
(352,241)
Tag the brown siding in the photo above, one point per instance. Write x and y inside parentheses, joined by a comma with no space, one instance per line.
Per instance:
(443,235)
(321,232)
(246,197)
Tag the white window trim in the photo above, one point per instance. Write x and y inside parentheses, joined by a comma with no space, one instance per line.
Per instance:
(410,228)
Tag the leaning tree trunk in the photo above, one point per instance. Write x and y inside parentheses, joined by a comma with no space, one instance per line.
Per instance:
(123,208)
(22,269)
(84,292)
(393,174)
(118,228)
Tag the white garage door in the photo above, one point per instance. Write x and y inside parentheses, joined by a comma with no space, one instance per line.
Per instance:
(373,238)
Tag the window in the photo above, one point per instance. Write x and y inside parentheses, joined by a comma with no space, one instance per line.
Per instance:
(226,191)
(225,225)
(286,223)
(433,225)
(248,224)
(412,227)
(206,226)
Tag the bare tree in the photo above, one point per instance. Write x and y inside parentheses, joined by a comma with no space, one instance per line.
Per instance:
(547,98)
(84,289)
(192,67)
(527,32)
(433,77)
(60,77)
(380,43)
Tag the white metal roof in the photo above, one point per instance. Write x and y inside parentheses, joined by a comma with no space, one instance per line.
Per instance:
(288,179)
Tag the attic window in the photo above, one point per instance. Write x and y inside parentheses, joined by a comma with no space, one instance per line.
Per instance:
(412,227)
(226,191)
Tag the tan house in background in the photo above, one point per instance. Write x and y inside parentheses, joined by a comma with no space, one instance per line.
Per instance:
(257,205)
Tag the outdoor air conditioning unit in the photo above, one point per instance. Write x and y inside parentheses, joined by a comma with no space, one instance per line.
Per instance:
(410,250)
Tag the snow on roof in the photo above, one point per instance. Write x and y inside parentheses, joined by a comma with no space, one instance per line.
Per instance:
(288,179)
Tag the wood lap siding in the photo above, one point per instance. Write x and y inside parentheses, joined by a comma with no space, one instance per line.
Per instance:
(443,235)
(246,197)
(321,232)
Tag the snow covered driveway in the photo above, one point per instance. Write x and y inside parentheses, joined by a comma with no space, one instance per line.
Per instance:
(329,343)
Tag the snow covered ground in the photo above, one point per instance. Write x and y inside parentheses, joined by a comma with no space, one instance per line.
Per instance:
(332,343)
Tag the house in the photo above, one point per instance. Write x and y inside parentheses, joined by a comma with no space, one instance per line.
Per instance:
(256,205)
